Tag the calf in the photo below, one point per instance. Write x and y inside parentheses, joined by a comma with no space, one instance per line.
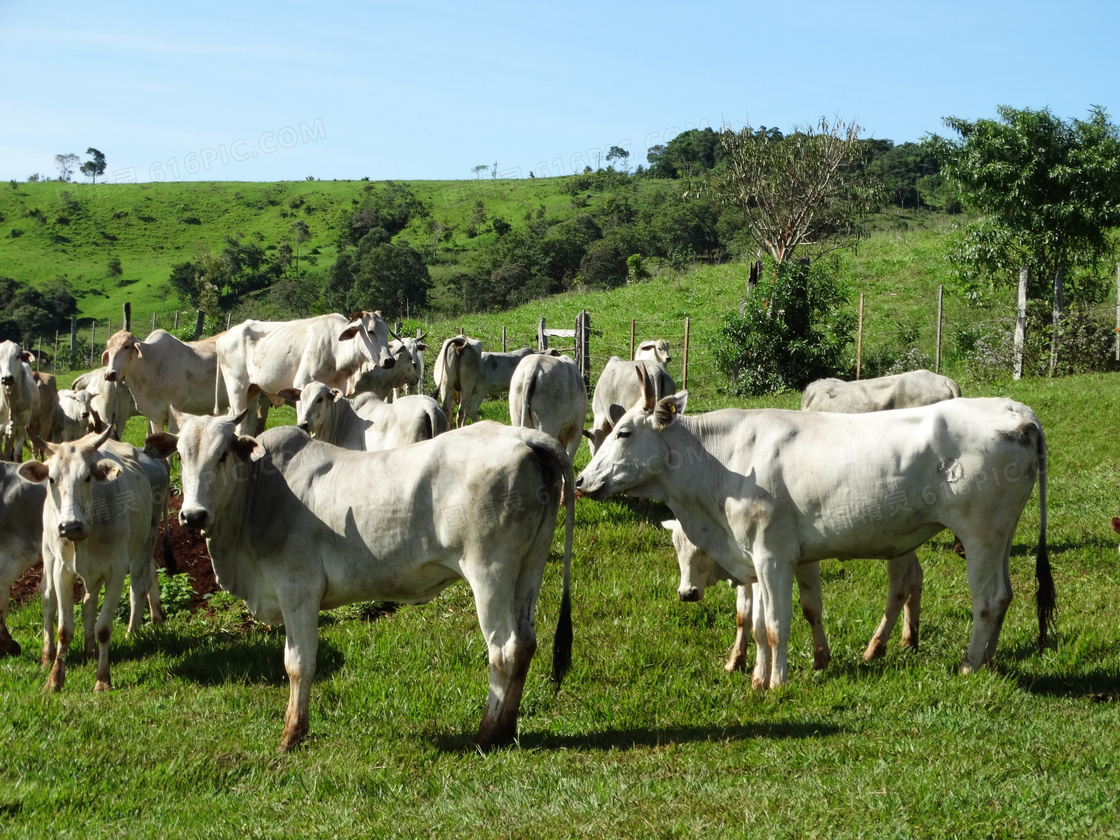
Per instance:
(110,399)
(19,399)
(73,416)
(99,522)
(365,423)
(21,539)
(654,351)
(407,372)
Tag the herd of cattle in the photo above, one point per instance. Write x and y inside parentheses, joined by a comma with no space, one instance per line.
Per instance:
(375,495)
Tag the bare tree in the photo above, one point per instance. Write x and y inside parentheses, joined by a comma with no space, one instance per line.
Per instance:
(801,191)
(66,164)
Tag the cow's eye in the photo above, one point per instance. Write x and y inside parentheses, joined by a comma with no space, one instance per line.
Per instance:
(225,455)
(88,477)
(624,433)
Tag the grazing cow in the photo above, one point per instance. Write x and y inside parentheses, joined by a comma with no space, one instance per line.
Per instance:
(162,371)
(766,490)
(407,373)
(295,526)
(274,355)
(655,351)
(903,390)
(465,375)
(21,539)
(548,393)
(110,399)
(617,388)
(100,521)
(42,421)
(366,423)
(73,416)
(19,399)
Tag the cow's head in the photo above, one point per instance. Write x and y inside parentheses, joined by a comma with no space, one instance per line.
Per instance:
(212,457)
(698,568)
(121,348)
(12,359)
(373,333)
(314,404)
(71,470)
(656,351)
(635,451)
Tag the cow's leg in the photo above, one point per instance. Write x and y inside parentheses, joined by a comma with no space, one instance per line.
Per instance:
(89,618)
(8,645)
(775,579)
(506,620)
(155,607)
(63,585)
(50,605)
(812,607)
(301,644)
(762,654)
(737,660)
(990,584)
(900,587)
(103,627)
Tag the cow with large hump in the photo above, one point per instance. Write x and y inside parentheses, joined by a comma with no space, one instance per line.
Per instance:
(21,540)
(274,355)
(19,399)
(901,390)
(465,375)
(162,371)
(100,520)
(295,526)
(365,423)
(548,393)
(617,389)
(766,490)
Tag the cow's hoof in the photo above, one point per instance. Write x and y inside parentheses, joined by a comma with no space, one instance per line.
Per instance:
(102,685)
(10,647)
(875,650)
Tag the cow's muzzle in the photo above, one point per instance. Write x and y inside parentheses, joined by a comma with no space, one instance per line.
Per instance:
(110,376)
(7,380)
(304,427)
(194,518)
(388,363)
(690,595)
(72,529)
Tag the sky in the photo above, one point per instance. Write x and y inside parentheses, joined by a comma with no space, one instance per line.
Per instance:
(254,91)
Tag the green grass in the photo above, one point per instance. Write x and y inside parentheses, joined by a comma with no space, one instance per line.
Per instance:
(647,737)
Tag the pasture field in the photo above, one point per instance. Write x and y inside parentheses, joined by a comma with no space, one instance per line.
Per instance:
(647,736)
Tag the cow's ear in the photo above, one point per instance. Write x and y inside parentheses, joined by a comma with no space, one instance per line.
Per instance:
(160,445)
(615,412)
(669,525)
(336,394)
(292,394)
(104,470)
(105,358)
(348,333)
(668,408)
(137,347)
(34,471)
(27,356)
(247,448)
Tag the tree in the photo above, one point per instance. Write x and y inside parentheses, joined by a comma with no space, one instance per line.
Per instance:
(804,191)
(391,277)
(621,155)
(692,153)
(1049,191)
(478,170)
(302,233)
(66,164)
(95,166)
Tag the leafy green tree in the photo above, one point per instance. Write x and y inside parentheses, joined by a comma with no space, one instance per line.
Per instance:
(793,328)
(391,207)
(391,277)
(95,166)
(619,154)
(1048,189)
(805,192)
(691,153)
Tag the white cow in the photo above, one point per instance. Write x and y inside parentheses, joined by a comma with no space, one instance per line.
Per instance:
(19,399)
(655,351)
(617,389)
(295,526)
(274,355)
(548,393)
(367,422)
(902,390)
(465,375)
(21,539)
(100,520)
(407,373)
(43,419)
(162,371)
(73,416)
(767,490)
(110,399)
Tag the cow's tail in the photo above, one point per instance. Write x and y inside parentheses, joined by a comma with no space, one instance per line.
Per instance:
(1044,597)
(527,402)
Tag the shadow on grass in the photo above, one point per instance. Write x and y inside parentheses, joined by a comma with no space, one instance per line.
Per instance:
(251,659)
(629,739)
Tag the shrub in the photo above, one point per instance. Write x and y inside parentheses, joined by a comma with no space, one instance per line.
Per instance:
(792,328)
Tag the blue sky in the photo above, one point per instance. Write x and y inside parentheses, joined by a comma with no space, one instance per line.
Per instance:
(251,91)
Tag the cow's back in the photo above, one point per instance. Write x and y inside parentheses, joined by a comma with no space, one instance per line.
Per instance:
(885,393)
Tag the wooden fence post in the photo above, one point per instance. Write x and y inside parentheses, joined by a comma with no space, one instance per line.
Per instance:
(73,337)
(859,336)
(127,317)
(1056,318)
(176,327)
(684,373)
(199,321)
(153,322)
(583,345)
(92,339)
(940,309)
(1020,325)
(631,339)
(54,359)
(39,355)
(542,339)
(503,339)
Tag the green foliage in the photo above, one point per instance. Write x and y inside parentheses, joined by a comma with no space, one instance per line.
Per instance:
(792,328)
(27,313)
(691,153)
